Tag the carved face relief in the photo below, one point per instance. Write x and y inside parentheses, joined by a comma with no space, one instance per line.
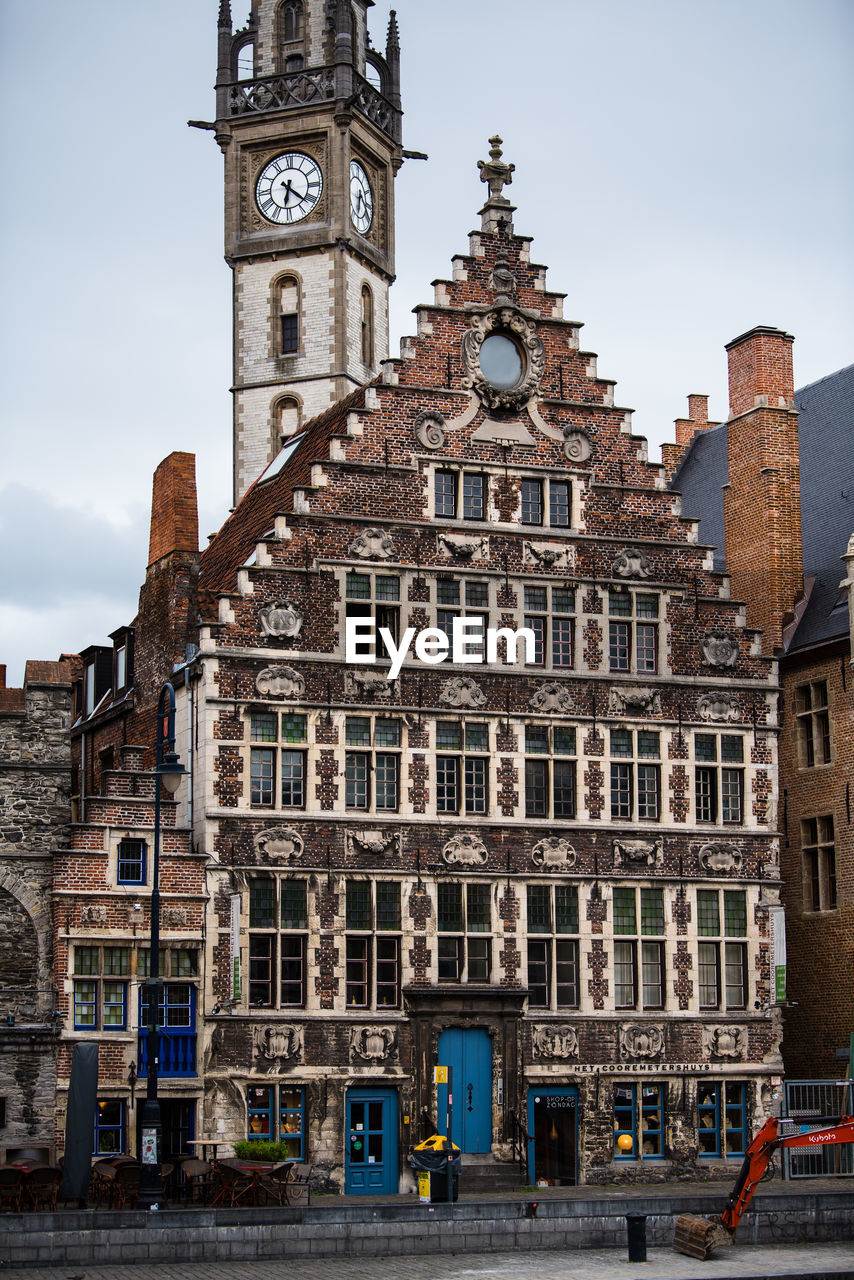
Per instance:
(462,691)
(553,852)
(555,1041)
(521,333)
(718,856)
(466,850)
(280,682)
(280,618)
(279,844)
(641,1040)
(632,563)
(639,853)
(373,544)
(429,429)
(720,649)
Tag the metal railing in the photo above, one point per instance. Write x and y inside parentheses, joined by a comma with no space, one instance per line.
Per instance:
(815,1104)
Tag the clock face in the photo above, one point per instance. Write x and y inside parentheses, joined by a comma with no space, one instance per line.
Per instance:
(288,188)
(361,198)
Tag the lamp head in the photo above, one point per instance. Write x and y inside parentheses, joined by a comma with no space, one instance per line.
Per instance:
(170,772)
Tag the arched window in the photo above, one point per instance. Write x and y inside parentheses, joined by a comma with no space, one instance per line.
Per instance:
(287,417)
(291,23)
(246,61)
(367,326)
(287,316)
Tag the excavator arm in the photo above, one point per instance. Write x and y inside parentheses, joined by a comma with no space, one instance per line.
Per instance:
(697,1237)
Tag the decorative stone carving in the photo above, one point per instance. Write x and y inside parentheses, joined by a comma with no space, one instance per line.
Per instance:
(175,917)
(554,1041)
(280,618)
(372,1044)
(632,563)
(510,321)
(719,706)
(276,1047)
(462,691)
(495,171)
(641,1040)
(502,280)
(639,853)
(553,852)
(718,856)
(369,684)
(429,429)
(463,549)
(719,648)
(373,544)
(724,1042)
(280,682)
(374,840)
(552,696)
(93,914)
(546,557)
(577,445)
(279,844)
(627,701)
(466,849)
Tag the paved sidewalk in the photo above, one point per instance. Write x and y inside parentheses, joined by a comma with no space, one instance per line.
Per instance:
(748,1262)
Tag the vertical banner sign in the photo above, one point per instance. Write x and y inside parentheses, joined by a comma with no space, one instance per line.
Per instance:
(777,917)
(235,946)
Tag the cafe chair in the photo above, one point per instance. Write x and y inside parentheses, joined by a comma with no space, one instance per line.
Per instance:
(299,1187)
(234,1185)
(41,1187)
(11,1188)
(276,1184)
(125,1186)
(197,1179)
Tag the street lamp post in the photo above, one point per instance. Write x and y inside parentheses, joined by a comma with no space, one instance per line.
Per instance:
(168,772)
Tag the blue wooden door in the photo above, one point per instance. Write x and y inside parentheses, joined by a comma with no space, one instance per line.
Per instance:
(371,1155)
(468,1052)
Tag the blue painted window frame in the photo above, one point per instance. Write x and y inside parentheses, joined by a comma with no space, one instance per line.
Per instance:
(125,873)
(274,1107)
(119,1128)
(727,1099)
(95,1002)
(629,1115)
(85,1001)
(177,1038)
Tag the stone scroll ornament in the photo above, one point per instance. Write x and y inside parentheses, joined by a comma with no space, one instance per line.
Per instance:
(373,544)
(719,648)
(277,1047)
(719,856)
(429,429)
(279,844)
(280,682)
(554,1041)
(632,563)
(623,701)
(463,549)
(510,321)
(551,696)
(367,684)
(372,1044)
(639,853)
(547,557)
(724,1042)
(553,853)
(373,840)
(641,1040)
(722,707)
(462,691)
(465,850)
(280,618)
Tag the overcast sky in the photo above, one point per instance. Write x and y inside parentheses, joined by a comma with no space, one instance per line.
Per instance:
(685,170)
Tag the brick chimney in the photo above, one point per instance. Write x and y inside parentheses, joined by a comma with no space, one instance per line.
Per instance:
(686,428)
(174,514)
(762,502)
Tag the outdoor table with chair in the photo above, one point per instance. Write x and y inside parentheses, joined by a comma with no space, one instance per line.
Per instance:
(29,1184)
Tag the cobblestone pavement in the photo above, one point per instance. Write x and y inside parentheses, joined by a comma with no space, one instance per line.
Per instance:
(740,1263)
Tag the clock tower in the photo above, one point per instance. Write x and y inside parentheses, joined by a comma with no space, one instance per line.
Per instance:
(309,121)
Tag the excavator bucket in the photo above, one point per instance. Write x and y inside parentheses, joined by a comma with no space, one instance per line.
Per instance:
(697,1237)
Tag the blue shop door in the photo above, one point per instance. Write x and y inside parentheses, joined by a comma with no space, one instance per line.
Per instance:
(553,1125)
(469,1055)
(371,1156)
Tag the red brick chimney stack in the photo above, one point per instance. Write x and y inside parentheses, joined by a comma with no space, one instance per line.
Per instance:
(174,513)
(762,502)
(697,420)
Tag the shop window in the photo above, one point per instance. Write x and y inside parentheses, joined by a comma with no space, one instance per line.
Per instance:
(100,988)
(464,924)
(721,1119)
(819,863)
(110,1127)
(548,613)
(635,774)
(276,1113)
(373,944)
(813,724)
(552,946)
(719,777)
(131,862)
(722,959)
(549,771)
(639,1117)
(277,773)
(462,767)
(633,631)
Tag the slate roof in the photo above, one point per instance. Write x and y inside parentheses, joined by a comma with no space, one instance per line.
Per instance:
(826,445)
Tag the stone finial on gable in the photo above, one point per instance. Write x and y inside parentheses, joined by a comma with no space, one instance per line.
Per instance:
(497,213)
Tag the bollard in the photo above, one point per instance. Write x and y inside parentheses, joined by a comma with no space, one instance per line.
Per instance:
(636,1232)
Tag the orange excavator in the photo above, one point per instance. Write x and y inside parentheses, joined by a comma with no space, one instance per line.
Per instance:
(697,1237)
